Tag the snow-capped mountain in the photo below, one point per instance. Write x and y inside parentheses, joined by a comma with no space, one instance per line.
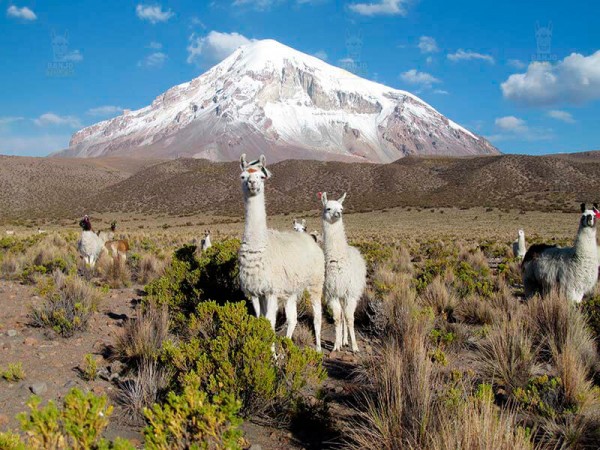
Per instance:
(269,98)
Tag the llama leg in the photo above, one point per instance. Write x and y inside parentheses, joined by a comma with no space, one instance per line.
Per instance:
(338,320)
(317,319)
(349,316)
(344,325)
(271,310)
(255,305)
(291,314)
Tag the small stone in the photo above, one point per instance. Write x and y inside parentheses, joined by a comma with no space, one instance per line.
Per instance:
(30,341)
(38,388)
(255,447)
(69,384)
(11,333)
(338,389)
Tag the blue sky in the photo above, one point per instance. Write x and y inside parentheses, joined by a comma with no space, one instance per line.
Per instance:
(524,74)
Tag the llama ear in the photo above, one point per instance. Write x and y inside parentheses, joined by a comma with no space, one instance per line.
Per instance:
(243,162)
(342,198)
(324,198)
(304,223)
(263,160)
(583,207)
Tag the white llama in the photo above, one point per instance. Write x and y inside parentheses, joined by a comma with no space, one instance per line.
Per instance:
(299,225)
(345,272)
(90,245)
(518,246)
(276,265)
(573,271)
(206,243)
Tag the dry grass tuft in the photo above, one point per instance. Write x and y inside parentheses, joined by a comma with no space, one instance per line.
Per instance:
(303,336)
(506,356)
(142,338)
(144,390)
(114,271)
(475,310)
(439,298)
(478,424)
(150,267)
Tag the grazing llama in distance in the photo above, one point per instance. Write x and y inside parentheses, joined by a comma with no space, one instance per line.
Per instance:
(108,235)
(345,272)
(573,271)
(10,232)
(276,265)
(90,245)
(519,248)
(299,225)
(206,243)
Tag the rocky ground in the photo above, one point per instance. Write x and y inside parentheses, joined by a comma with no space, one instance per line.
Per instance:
(52,367)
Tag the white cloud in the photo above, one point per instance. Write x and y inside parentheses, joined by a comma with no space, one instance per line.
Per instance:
(51,119)
(440,92)
(574,80)
(427,45)
(153,60)
(512,124)
(155,45)
(214,47)
(33,145)
(21,13)
(321,54)
(258,4)
(467,55)
(563,116)
(429,60)
(514,128)
(381,7)
(415,77)
(105,111)
(153,13)
(516,63)
(5,121)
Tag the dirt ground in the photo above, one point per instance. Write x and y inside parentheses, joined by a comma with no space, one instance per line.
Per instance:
(52,363)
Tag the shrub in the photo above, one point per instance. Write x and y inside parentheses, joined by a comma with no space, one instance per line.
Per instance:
(142,338)
(189,281)
(228,351)
(89,370)
(191,420)
(77,425)
(67,307)
(113,271)
(14,372)
(148,268)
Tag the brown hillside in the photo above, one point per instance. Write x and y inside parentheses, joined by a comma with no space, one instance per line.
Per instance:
(38,188)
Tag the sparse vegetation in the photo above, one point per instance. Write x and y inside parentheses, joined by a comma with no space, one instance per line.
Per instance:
(14,372)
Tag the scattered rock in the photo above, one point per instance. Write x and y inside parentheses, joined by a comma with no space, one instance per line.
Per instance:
(338,389)
(255,447)
(38,388)
(11,333)
(69,384)
(30,341)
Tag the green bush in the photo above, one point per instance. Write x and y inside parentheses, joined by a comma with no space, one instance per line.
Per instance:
(591,309)
(190,280)
(191,421)
(544,396)
(77,425)
(228,351)
(14,372)
(473,281)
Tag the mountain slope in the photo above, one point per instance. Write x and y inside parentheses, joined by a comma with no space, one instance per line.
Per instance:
(269,98)
(42,188)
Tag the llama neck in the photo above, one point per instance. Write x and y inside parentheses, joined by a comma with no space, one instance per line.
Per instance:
(334,240)
(255,228)
(585,242)
(522,243)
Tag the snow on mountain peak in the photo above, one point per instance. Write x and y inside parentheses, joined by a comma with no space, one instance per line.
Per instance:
(268,97)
